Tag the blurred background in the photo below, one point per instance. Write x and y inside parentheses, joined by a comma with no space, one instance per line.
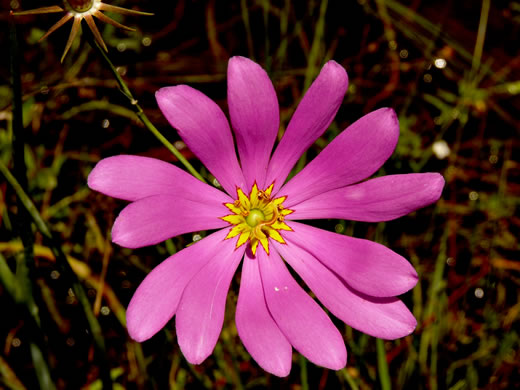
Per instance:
(450,69)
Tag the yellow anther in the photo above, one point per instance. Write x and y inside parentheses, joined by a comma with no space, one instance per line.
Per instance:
(262,195)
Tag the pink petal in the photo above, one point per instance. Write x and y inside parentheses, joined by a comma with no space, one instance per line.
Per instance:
(380,199)
(134,177)
(313,116)
(156,299)
(204,128)
(154,219)
(299,317)
(366,266)
(255,117)
(258,331)
(386,318)
(200,315)
(355,154)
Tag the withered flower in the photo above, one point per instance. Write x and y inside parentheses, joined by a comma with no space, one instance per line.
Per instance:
(83,9)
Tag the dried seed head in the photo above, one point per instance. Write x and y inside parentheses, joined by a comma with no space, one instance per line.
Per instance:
(79,5)
(77,10)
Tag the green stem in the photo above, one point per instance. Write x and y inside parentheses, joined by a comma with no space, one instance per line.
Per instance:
(249,37)
(41,367)
(23,220)
(313,65)
(9,377)
(66,270)
(137,108)
(16,84)
(351,382)
(382,366)
(303,373)
(481,35)
(316,47)
(268,60)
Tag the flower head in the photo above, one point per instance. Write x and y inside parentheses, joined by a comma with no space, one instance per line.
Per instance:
(356,280)
(256,218)
(79,10)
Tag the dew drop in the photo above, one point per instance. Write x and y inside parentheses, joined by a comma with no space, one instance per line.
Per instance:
(473,195)
(440,63)
(441,149)
(121,70)
(179,145)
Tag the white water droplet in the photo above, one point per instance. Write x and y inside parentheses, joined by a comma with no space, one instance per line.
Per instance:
(440,63)
(473,195)
(441,149)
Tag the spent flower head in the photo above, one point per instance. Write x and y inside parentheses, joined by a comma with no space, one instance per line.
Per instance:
(255,219)
(77,10)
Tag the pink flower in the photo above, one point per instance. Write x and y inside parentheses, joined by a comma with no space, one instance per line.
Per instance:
(356,280)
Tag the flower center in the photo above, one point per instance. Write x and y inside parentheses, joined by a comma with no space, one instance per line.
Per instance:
(80,5)
(256,218)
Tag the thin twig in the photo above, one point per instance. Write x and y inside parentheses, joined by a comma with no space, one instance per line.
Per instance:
(481,35)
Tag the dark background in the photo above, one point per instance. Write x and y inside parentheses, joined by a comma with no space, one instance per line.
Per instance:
(465,247)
